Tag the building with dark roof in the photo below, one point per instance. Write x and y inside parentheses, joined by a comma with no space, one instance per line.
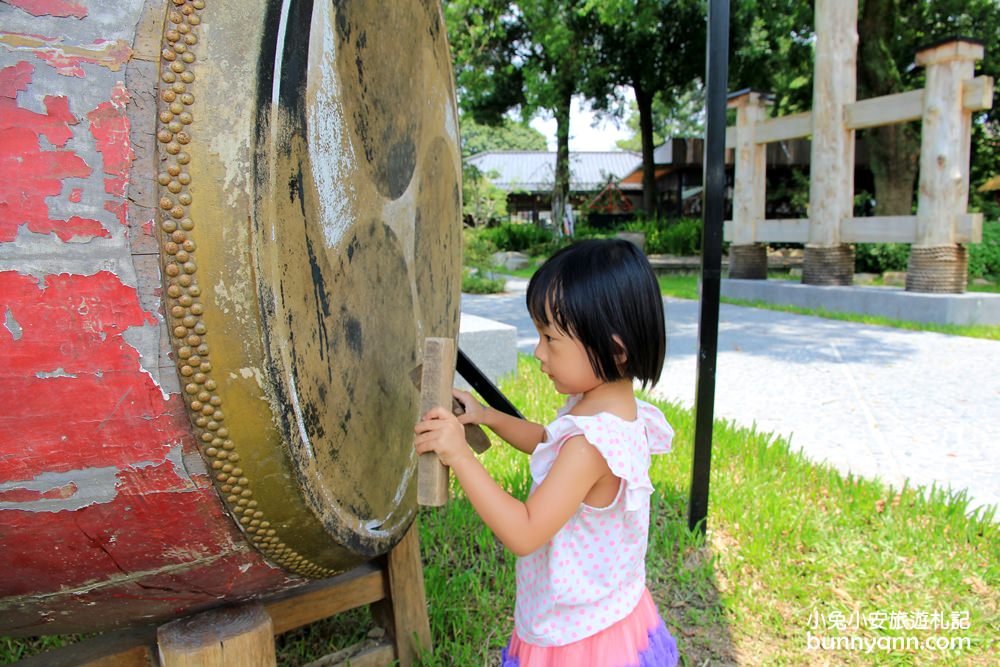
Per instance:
(529,176)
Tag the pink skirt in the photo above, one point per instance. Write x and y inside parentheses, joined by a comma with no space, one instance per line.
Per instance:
(638,640)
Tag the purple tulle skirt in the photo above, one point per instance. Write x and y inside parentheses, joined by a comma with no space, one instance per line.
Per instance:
(638,640)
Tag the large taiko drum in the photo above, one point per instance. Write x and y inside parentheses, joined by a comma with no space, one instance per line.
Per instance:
(226,229)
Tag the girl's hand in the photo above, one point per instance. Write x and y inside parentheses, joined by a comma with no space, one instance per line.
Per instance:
(474,412)
(441,432)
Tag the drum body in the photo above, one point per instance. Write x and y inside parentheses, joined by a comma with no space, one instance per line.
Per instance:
(225,231)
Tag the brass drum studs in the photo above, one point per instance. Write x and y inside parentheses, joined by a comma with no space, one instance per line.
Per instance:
(175,132)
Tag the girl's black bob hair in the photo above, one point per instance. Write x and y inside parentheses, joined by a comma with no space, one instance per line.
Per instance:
(596,289)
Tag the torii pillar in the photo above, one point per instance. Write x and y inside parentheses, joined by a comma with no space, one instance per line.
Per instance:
(937,263)
(827,260)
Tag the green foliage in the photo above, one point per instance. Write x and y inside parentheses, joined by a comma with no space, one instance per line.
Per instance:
(477,252)
(674,237)
(792,191)
(509,135)
(482,201)
(984,258)
(881,257)
(477,248)
(529,55)
(771,42)
(678,114)
(526,238)
(474,281)
(656,47)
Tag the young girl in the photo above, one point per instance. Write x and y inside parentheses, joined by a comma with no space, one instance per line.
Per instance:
(581,535)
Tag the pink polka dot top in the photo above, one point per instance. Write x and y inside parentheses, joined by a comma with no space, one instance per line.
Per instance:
(592,573)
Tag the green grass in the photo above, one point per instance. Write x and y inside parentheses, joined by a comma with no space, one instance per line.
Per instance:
(786,538)
(526,272)
(685,286)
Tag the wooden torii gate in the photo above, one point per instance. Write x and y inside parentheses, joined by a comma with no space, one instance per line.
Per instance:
(942,226)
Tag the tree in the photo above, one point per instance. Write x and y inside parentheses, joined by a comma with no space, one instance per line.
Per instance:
(526,55)
(508,135)
(681,115)
(771,50)
(483,201)
(889,33)
(657,47)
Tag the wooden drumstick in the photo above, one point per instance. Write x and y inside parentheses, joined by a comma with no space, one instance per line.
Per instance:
(435,389)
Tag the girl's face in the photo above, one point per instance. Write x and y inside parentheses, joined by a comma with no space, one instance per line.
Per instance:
(565,361)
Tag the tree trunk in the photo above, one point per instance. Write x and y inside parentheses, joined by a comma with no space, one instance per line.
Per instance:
(560,190)
(893,149)
(644,101)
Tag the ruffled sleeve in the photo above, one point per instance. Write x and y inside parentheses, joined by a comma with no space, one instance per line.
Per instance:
(658,431)
(625,446)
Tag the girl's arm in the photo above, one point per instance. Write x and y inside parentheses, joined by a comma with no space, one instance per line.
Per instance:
(520,433)
(522,526)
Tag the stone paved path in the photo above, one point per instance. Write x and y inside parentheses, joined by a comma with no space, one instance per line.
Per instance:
(896,404)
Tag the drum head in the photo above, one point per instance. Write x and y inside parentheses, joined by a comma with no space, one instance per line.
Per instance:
(309,185)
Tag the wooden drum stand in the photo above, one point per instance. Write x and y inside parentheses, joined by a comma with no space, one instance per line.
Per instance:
(243,635)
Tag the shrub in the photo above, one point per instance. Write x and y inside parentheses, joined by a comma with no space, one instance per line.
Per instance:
(984,258)
(527,238)
(474,281)
(881,257)
(674,237)
(477,248)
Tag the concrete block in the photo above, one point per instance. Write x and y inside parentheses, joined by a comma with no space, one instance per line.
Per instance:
(891,302)
(511,260)
(491,345)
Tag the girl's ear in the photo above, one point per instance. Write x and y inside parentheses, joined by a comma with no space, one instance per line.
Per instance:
(621,355)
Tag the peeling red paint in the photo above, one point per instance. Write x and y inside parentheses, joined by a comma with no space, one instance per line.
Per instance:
(60,8)
(75,323)
(151,514)
(75,195)
(155,520)
(110,127)
(29,174)
(21,495)
(68,59)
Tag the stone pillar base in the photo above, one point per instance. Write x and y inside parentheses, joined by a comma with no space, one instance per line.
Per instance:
(942,269)
(748,261)
(828,265)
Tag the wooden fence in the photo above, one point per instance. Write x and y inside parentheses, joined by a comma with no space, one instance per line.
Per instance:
(942,225)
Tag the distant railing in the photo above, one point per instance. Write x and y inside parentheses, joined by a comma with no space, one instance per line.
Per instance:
(938,260)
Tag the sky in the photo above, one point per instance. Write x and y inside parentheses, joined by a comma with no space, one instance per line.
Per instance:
(582,136)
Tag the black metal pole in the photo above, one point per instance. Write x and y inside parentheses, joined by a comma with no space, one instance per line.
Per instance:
(717,73)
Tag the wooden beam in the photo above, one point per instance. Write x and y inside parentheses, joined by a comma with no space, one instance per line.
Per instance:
(240,635)
(358,655)
(136,647)
(885,110)
(363,585)
(875,229)
(977,93)
(403,613)
(792,230)
(731,136)
(131,647)
(969,228)
(880,229)
(792,126)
